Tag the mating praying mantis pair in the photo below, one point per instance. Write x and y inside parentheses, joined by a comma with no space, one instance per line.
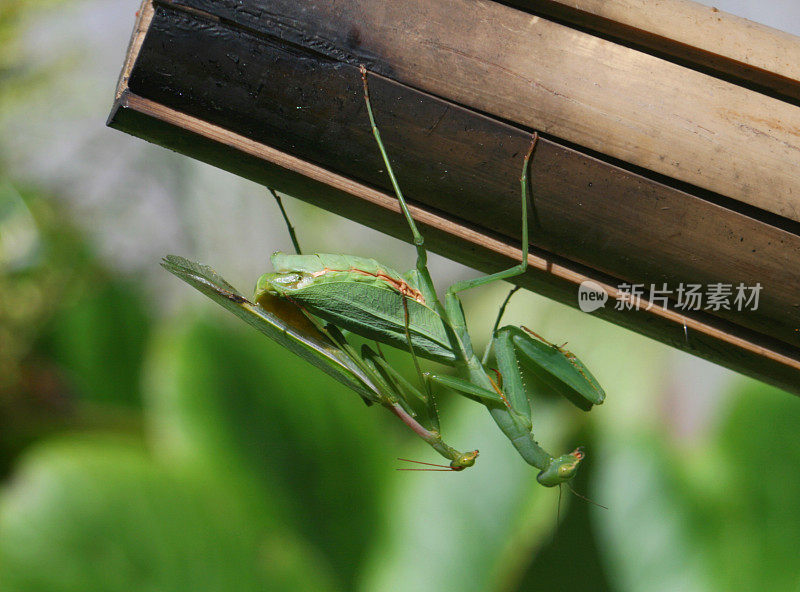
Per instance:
(307,302)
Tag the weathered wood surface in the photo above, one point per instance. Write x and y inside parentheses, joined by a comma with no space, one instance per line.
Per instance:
(501,61)
(286,109)
(700,36)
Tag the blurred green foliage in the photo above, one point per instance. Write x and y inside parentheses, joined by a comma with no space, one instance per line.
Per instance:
(98,513)
(154,444)
(189,452)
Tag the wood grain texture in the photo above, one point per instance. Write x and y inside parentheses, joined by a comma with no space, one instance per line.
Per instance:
(503,62)
(696,35)
(143,18)
(710,339)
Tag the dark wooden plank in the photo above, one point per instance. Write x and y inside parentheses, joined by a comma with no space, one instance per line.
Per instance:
(616,222)
(588,91)
(708,338)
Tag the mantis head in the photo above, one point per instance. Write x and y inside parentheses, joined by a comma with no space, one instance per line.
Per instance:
(292,272)
(464,461)
(561,469)
(276,284)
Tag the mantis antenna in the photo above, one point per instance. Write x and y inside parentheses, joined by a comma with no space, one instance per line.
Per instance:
(419,462)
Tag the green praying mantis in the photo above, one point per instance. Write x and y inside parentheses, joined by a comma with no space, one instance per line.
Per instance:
(308,302)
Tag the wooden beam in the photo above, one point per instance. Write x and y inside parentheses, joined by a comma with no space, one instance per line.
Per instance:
(617,101)
(692,34)
(617,222)
(144,17)
(276,98)
(708,338)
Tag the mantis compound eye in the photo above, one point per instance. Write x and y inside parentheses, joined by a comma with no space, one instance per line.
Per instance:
(289,280)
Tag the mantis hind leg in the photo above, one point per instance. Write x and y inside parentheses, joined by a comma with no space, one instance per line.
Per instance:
(452,303)
(419,241)
(500,313)
(522,265)
(423,275)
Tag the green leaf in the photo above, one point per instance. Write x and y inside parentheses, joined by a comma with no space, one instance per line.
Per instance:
(716,513)
(746,492)
(98,514)
(362,296)
(311,346)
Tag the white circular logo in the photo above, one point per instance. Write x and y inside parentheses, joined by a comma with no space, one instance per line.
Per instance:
(591,296)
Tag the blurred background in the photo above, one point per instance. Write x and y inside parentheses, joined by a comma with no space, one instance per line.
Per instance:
(150,441)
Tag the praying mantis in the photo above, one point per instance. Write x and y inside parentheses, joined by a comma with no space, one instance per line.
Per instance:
(308,301)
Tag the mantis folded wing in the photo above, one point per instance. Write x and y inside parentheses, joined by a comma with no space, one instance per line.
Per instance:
(362,296)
